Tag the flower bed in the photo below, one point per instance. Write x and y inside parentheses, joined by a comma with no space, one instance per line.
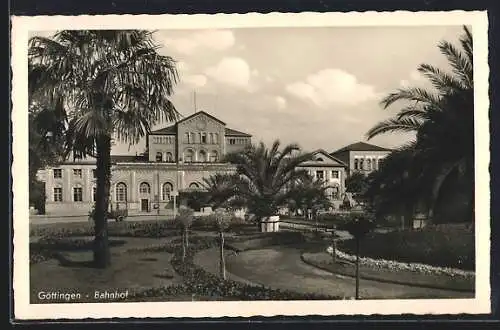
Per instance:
(412,267)
(442,247)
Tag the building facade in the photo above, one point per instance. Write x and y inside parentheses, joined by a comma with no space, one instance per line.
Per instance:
(331,171)
(361,157)
(178,157)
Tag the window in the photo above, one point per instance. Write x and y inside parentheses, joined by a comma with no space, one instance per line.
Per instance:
(320,175)
(203,137)
(57,173)
(94,193)
(94,174)
(203,156)
(374,163)
(192,138)
(319,159)
(121,192)
(194,185)
(166,190)
(169,157)
(214,156)
(188,156)
(356,164)
(232,141)
(335,174)
(77,172)
(144,188)
(186,137)
(58,196)
(361,164)
(369,164)
(211,138)
(216,138)
(159,157)
(77,194)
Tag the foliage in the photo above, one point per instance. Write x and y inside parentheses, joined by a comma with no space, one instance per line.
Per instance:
(266,174)
(356,183)
(95,85)
(444,247)
(440,161)
(359,226)
(307,194)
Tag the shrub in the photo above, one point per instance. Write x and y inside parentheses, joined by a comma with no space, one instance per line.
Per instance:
(450,247)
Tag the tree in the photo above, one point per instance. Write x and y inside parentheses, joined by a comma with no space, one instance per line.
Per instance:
(185,219)
(101,84)
(356,183)
(221,189)
(266,175)
(443,120)
(358,228)
(308,194)
(222,221)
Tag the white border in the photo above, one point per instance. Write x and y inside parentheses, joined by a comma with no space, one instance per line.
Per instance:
(22,25)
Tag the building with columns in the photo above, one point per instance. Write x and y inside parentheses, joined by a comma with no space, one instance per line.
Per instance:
(361,157)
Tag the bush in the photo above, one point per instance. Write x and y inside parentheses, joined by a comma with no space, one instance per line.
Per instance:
(126,229)
(443,247)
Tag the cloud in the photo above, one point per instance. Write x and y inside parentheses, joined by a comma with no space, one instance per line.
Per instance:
(332,86)
(280,102)
(217,40)
(415,77)
(195,80)
(232,71)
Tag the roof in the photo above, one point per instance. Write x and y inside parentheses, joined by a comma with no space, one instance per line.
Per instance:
(360,146)
(165,131)
(199,113)
(128,158)
(322,151)
(233,132)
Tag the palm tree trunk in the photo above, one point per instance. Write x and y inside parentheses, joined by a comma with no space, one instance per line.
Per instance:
(222,262)
(187,237)
(102,255)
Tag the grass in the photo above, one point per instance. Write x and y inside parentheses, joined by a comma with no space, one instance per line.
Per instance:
(71,271)
(324,261)
(446,247)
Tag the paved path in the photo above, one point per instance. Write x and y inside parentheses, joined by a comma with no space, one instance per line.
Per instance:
(282,268)
(40,219)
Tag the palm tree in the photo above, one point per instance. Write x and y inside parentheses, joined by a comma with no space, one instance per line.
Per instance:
(221,189)
(443,121)
(310,194)
(266,175)
(102,84)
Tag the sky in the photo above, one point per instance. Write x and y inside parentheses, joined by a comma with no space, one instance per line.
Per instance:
(318,87)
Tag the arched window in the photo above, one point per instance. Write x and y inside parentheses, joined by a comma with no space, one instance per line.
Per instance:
(94,193)
(203,156)
(144,188)
(159,157)
(214,156)
(169,157)
(216,138)
(356,164)
(166,190)
(194,185)
(319,159)
(121,192)
(361,164)
(188,156)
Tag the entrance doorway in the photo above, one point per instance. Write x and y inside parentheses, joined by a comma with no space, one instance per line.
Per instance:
(145,205)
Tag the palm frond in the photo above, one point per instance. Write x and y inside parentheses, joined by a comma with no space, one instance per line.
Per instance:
(406,124)
(415,94)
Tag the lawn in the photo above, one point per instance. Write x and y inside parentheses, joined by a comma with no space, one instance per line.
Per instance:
(324,261)
(445,246)
(70,270)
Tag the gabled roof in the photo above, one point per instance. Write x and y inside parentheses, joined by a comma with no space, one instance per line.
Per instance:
(200,113)
(233,132)
(325,155)
(360,146)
